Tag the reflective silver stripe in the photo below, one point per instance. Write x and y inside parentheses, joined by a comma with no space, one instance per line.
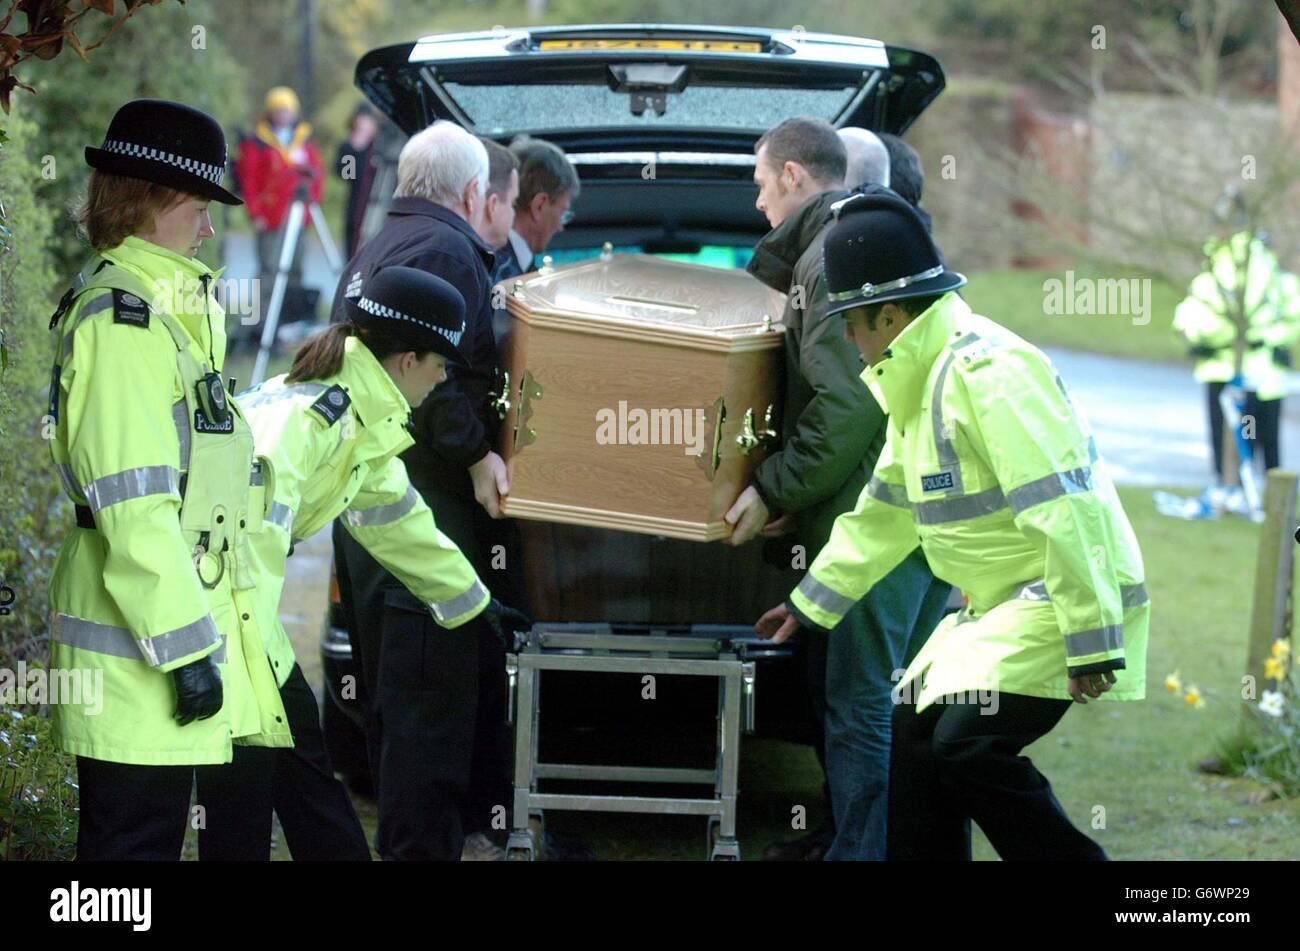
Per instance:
(181,419)
(281,515)
(250,398)
(1100,640)
(445,610)
(1037,591)
(120,642)
(948,461)
(1130,595)
(173,645)
(888,493)
(99,638)
(1049,487)
(382,514)
(825,598)
(69,481)
(131,484)
(102,302)
(958,509)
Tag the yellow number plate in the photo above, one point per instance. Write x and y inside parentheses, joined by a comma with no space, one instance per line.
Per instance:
(709,46)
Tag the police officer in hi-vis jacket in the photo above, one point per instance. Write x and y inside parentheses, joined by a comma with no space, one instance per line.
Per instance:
(991,466)
(152,590)
(332,428)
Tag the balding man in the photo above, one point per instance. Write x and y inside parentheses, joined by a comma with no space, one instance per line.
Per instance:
(868,158)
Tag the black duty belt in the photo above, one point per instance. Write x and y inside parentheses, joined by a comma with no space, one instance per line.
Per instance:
(85,517)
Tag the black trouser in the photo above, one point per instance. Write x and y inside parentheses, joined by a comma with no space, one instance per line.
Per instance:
(951,764)
(315,811)
(1268,420)
(139,813)
(436,734)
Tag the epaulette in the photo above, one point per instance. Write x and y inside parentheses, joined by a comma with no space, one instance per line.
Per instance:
(129,309)
(976,354)
(332,404)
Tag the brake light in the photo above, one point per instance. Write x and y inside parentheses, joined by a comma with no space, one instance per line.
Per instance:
(335,598)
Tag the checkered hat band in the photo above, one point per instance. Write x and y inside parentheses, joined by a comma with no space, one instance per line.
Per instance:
(212,173)
(379,310)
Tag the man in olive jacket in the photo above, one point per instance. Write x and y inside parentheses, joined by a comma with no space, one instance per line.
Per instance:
(832,433)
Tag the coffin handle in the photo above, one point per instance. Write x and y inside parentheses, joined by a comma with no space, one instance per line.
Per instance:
(750,439)
(708,459)
(530,391)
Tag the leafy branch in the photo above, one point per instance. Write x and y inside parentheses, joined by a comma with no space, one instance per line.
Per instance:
(51,24)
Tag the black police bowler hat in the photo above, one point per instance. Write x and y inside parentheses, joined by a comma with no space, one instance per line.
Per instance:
(418,308)
(166,143)
(878,250)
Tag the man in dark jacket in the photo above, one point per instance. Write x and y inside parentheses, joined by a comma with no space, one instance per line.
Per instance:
(437,735)
(832,433)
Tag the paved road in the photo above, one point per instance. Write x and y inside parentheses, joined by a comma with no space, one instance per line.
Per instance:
(1150,418)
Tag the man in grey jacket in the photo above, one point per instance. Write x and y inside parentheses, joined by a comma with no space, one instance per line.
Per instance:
(832,433)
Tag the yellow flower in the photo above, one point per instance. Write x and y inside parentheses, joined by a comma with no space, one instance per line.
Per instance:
(1281,649)
(1193,696)
(1274,669)
(1172,683)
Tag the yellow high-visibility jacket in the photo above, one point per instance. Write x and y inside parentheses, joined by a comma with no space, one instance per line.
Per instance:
(1204,320)
(992,468)
(333,446)
(163,576)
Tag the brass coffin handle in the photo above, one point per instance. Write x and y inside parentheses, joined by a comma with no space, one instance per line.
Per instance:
(708,459)
(750,439)
(530,391)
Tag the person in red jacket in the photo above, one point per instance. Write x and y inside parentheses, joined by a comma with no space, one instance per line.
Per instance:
(271,164)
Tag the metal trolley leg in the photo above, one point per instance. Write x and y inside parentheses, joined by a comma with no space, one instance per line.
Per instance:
(596,649)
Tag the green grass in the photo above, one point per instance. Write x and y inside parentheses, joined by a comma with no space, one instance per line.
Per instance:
(1138,760)
(1015,299)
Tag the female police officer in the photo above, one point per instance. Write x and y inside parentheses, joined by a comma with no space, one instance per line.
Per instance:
(150,598)
(332,428)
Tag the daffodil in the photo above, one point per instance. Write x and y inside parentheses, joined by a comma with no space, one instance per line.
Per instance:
(1173,683)
(1193,696)
(1272,703)
(1274,669)
(1281,649)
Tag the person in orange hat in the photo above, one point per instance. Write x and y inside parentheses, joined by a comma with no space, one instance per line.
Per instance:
(272,163)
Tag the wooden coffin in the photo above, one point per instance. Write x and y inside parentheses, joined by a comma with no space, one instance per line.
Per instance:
(640,392)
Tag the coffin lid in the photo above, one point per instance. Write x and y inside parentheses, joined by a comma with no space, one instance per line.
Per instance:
(651,298)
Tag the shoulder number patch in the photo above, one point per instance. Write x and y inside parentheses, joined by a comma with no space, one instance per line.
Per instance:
(332,404)
(129,309)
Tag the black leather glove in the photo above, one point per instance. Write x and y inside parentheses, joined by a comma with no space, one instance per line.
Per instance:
(198,690)
(504,621)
